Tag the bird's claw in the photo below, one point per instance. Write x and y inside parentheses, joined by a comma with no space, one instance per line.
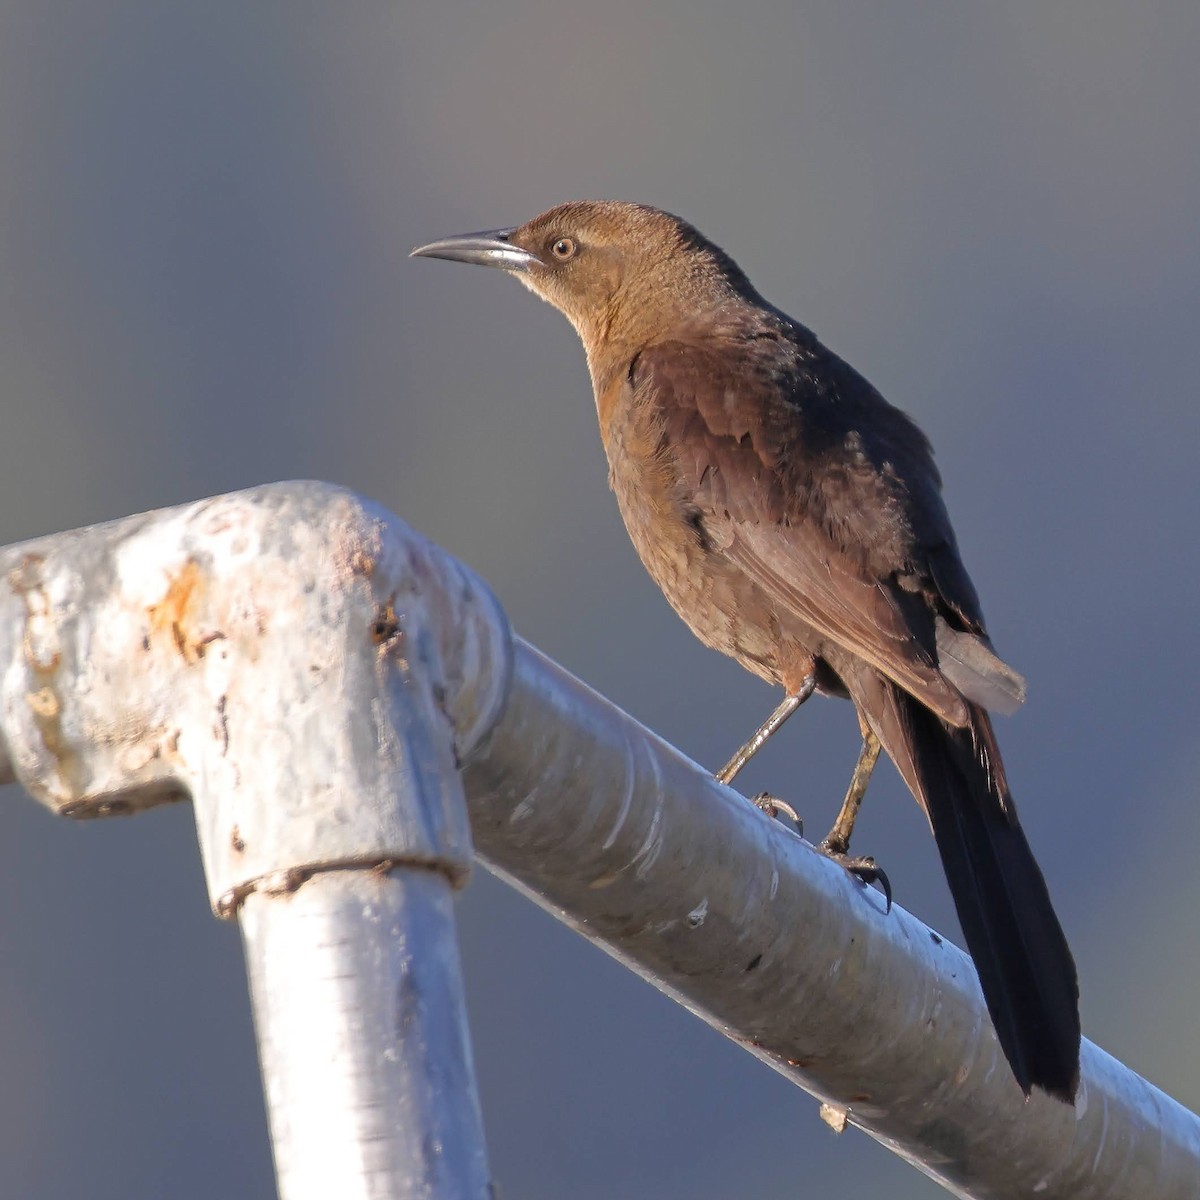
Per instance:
(774,807)
(865,869)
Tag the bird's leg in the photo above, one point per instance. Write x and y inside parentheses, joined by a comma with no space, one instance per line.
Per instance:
(786,707)
(838,840)
(771,805)
(837,844)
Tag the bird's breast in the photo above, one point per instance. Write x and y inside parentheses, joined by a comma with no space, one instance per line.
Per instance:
(668,531)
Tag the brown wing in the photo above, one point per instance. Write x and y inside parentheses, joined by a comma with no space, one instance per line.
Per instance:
(821,492)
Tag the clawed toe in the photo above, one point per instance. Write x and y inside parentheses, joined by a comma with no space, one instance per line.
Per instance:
(774,807)
(864,868)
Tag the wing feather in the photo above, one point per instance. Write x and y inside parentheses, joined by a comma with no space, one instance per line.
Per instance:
(824,495)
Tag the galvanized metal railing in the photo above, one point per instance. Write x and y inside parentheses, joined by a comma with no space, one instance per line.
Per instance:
(336,697)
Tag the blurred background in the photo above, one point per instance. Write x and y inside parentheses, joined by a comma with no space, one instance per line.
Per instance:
(991,210)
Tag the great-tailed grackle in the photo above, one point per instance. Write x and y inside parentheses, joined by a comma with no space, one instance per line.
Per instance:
(794,519)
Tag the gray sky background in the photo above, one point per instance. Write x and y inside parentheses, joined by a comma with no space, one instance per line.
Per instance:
(205,211)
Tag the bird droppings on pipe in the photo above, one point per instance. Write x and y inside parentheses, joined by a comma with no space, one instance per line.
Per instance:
(833,1116)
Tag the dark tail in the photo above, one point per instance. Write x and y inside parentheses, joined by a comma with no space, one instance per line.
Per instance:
(1024,964)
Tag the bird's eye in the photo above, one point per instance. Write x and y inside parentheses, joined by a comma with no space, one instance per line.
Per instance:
(564,249)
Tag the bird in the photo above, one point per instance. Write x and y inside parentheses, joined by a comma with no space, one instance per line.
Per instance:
(794,519)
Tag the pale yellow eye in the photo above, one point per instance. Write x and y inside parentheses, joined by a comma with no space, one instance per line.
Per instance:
(564,249)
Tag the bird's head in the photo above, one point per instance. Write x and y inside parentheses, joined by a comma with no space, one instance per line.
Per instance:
(619,272)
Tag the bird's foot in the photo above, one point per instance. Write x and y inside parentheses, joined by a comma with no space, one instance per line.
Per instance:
(774,807)
(863,868)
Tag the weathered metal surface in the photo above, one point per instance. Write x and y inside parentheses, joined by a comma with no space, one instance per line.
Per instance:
(280,657)
(635,846)
(314,675)
(381,1104)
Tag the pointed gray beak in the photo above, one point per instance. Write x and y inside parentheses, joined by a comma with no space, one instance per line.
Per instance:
(490,249)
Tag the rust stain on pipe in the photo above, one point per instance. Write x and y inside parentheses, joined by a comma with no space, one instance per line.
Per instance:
(174,616)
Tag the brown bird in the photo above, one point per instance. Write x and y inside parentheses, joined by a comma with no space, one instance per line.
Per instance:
(794,520)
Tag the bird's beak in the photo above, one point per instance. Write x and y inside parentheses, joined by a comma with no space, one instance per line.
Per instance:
(490,249)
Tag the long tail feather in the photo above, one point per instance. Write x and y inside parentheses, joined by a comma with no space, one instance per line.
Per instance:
(1021,955)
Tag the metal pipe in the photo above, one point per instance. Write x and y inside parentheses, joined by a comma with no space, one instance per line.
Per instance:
(282,657)
(313,675)
(366,1064)
(640,850)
